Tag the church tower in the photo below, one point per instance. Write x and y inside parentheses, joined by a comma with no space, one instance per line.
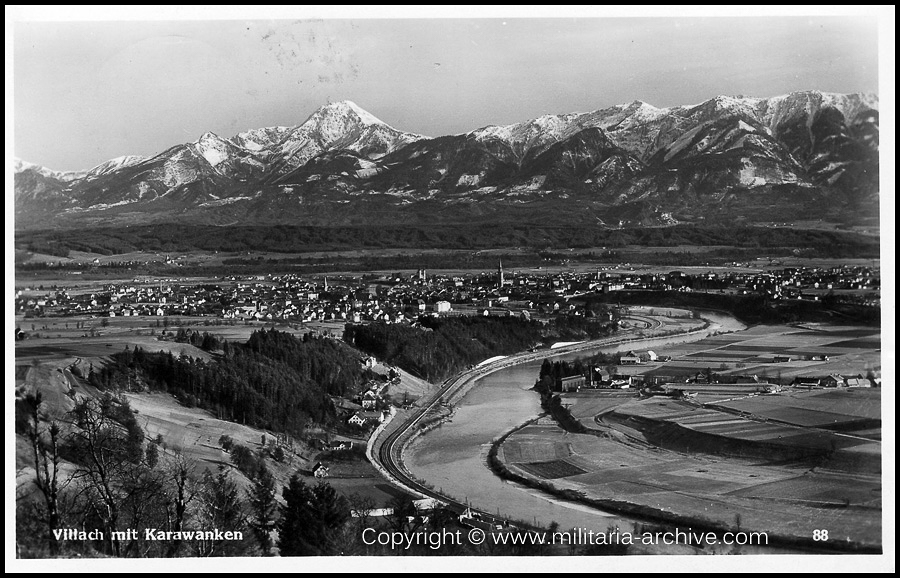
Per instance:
(500,274)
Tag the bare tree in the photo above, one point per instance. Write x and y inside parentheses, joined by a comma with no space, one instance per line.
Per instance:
(46,464)
(361,510)
(107,442)
(183,490)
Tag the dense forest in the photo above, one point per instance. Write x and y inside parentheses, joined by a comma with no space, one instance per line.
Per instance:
(300,239)
(442,347)
(275,381)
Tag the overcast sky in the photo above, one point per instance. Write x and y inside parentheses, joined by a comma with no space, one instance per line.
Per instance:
(86,92)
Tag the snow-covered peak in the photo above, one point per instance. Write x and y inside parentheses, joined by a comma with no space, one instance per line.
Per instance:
(214,148)
(257,139)
(365,117)
(345,114)
(336,119)
(208,137)
(20,166)
(115,164)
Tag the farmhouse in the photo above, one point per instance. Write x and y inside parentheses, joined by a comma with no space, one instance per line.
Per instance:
(833,380)
(369,400)
(630,358)
(320,470)
(806,382)
(362,418)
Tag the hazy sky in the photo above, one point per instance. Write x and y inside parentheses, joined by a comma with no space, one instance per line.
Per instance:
(86,92)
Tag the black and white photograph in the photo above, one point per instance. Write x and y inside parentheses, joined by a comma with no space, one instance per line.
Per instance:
(403,289)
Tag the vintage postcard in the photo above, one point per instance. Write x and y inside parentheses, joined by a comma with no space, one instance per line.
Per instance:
(505,289)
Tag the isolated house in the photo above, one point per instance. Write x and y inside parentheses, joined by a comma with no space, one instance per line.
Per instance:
(320,470)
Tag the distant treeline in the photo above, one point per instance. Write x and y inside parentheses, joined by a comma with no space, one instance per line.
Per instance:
(750,309)
(298,239)
(429,261)
(275,381)
(443,347)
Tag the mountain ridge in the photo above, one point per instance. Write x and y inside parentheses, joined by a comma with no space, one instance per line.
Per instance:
(632,158)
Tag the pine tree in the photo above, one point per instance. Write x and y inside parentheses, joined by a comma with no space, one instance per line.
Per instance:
(294,528)
(263,507)
(312,519)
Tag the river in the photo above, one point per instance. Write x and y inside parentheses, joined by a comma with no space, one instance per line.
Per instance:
(453,457)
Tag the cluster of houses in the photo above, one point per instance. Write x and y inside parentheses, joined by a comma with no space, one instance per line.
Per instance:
(808,283)
(598,378)
(835,380)
(369,408)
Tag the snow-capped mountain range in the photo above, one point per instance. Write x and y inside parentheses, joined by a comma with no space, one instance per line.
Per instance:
(735,157)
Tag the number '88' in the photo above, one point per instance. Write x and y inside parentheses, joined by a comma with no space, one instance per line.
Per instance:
(820,535)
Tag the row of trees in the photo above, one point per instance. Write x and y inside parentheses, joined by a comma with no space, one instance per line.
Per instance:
(204,341)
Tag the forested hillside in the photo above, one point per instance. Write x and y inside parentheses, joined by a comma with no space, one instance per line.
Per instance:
(274,381)
(442,347)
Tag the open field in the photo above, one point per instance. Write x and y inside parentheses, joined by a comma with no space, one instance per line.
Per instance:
(839,409)
(686,426)
(195,432)
(788,499)
(785,463)
(55,338)
(849,351)
(586,404)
